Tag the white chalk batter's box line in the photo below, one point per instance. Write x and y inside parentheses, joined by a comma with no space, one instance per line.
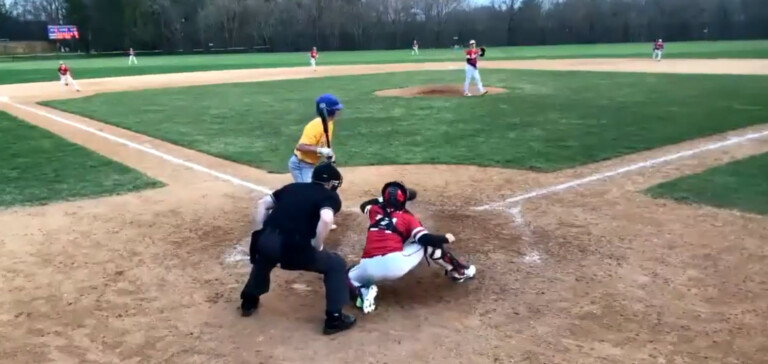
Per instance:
(496,205)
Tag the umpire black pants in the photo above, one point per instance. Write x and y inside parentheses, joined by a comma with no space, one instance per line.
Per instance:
(271,249)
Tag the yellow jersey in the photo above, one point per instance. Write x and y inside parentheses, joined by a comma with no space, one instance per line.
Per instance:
(313,135)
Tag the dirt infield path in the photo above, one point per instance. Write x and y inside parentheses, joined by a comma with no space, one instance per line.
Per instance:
(597,273)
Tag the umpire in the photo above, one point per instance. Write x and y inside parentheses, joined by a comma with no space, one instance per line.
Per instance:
(291,226)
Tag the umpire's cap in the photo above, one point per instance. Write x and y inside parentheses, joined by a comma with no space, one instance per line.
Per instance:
(326,172)
(328,105)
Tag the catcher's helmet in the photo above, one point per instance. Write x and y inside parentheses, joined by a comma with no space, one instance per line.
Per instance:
(395,195)
(328,105)
(326,172)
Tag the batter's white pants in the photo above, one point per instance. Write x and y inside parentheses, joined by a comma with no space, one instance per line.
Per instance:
(472,73)
(66,80)
(132,59)
(313,63)
(387,267)
(657,54)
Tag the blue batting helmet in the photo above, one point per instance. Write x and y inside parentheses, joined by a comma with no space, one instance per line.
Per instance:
(328,104)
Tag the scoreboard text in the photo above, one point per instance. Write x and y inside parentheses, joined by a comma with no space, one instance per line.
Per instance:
(58,32)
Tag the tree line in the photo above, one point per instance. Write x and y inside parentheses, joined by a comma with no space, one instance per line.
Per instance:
(293,25)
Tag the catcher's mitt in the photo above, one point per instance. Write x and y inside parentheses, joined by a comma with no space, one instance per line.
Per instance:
(411,194)
(482,51)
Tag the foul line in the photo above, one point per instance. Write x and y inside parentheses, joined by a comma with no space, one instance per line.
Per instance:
(130,144)
(641,165)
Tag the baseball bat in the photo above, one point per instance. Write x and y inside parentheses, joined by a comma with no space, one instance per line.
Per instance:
(324,119)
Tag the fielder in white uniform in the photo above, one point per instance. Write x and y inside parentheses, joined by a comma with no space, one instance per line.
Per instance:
(313,58)
(396,243)
(65,76)
(658,50)
(132,57)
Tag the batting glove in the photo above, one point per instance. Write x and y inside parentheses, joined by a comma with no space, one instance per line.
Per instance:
(325,152)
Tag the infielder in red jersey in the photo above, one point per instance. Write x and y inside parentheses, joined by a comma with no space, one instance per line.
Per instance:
(313,58)
(65,76)
(658,49)
(471,70)
(395,244)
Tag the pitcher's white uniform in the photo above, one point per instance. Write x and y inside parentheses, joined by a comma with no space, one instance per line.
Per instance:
(471,71)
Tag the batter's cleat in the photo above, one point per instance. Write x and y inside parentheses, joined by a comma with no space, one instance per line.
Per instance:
(467,94)
(484,93)
(248,307)
(366,299)
(337,323)
(461,275)
(334,227)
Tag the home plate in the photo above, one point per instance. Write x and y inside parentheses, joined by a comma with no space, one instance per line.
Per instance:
(301,287)
(4,99)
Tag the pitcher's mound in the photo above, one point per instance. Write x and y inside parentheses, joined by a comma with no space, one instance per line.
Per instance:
(435,91)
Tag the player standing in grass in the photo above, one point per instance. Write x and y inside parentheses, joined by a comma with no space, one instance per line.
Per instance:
(132,57)
(471,71)
(65,76)
(313,58)
(658,49)
(415,51)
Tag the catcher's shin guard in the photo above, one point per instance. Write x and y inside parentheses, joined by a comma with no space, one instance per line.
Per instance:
(456,269)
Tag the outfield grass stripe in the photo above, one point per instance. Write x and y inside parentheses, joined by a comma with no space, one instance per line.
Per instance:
(162,155)
(641,165)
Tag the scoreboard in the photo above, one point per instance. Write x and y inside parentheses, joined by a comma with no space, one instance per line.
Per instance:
(59,32)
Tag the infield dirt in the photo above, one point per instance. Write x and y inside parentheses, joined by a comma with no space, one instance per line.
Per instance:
(596,274)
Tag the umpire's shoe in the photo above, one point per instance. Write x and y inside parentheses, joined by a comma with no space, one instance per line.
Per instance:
(248,307)
(336,323)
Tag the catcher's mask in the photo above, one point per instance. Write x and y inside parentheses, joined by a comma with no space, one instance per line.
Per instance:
(326,172)
(395,195)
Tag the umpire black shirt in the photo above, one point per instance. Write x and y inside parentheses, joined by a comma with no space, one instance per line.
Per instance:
(297,210)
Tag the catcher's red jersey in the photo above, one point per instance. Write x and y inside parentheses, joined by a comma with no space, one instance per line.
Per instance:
(472,55)
(63,70)
(381,241)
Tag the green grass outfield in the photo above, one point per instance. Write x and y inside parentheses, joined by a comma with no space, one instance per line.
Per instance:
(740,185)
(39,167)
(33,71)
(547,121)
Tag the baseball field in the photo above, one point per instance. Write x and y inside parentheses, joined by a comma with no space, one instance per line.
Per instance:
(615,207)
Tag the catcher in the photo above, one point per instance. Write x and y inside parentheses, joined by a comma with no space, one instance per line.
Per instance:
(396,243)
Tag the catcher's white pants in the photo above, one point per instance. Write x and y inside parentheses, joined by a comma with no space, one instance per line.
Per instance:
(313,63)
(472,73)
(66,80)
(132,59)
(657,54)
(387,267)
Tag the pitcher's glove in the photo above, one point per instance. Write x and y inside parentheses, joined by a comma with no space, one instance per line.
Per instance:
(482,51)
